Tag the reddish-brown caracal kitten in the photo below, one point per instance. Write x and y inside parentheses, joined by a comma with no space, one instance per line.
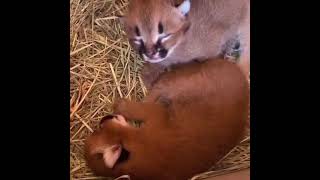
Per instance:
(193,116)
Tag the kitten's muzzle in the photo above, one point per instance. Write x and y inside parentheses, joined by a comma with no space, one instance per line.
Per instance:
(151,53)
(155,53)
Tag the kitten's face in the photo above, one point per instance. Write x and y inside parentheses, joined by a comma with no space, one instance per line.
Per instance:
(154,28)
(103,149)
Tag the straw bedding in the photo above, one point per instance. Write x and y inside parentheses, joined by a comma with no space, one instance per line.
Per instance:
(103,67)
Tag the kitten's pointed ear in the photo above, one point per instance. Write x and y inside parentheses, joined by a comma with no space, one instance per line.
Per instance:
(184,7)
(111,155)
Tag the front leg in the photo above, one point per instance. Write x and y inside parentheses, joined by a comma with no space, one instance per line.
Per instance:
(150,73)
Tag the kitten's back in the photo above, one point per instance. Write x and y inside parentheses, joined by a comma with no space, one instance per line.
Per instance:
(208,111)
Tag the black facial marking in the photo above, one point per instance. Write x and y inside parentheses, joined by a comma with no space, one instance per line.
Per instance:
(137,31)
(163,53)
(158,44)
(142,48)
(160,28)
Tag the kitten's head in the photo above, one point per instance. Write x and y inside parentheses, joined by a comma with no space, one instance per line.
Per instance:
(155,27)
(104,151)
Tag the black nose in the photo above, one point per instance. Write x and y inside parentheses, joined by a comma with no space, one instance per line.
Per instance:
(107,117)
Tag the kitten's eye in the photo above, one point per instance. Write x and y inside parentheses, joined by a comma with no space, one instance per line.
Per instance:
(160,28)
(136,29)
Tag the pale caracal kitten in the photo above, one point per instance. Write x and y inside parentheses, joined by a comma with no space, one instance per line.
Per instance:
(168,32)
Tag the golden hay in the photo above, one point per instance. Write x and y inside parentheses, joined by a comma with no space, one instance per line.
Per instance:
(103,68)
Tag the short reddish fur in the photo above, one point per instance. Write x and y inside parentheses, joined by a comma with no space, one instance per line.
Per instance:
(192,117)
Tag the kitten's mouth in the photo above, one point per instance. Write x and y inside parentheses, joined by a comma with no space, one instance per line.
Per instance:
(153,60)
(159,56)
